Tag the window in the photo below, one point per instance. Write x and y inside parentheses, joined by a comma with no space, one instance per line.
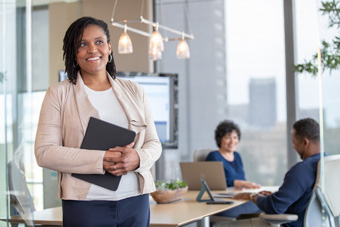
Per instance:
(308,85)
(237,72)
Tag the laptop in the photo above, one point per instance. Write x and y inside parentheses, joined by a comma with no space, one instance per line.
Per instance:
(212,172)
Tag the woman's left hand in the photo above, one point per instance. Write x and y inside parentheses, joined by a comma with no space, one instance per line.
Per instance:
(129,160)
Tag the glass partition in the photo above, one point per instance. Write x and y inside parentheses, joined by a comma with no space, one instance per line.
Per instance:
(19,105)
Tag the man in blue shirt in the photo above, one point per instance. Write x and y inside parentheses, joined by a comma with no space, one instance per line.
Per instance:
(294,194)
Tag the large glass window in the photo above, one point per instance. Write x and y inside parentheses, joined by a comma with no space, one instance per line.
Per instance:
(15,26)
(236,72)
(256,86)
(309,37)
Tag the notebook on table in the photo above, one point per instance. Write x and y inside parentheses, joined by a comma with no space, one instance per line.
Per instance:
(102,135)
(211,172)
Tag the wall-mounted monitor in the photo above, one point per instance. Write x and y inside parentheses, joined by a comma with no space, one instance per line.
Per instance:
(161,90)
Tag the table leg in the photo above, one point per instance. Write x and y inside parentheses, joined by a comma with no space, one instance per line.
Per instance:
(204,222)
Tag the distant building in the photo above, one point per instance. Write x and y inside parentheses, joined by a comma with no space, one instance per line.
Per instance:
(239,114)
(262,103)
(309,112)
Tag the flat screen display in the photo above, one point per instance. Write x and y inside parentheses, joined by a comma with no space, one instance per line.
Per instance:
(159,91)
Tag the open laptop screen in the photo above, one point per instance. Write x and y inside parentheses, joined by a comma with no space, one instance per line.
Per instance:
(211,172)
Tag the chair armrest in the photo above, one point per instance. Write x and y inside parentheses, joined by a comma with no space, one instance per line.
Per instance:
(278,219)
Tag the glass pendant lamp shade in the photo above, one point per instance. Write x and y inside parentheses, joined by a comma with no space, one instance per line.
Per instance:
(183,50)
(156,45)
(155,54)
(156,41)
(125,44)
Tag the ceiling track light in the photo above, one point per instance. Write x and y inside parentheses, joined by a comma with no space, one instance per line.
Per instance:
(156,44)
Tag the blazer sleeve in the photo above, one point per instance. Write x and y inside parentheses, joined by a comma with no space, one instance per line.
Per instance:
(49,150)
(151,149)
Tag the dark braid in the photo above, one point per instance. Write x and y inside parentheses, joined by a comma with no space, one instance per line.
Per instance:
(72,39)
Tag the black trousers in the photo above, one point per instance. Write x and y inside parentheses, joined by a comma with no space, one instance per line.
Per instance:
(130,212)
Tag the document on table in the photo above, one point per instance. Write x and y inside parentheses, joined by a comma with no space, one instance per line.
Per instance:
(234,191)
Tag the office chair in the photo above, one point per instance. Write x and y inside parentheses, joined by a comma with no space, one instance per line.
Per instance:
(21,201)
(200,156)
(315,214)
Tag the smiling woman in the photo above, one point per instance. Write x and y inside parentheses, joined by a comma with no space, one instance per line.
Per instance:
(85,40)
(93,54)
(227,136)
(92,90)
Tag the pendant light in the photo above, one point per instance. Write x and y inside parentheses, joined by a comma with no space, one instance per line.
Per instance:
(156,43)
(124,43)
(183,49)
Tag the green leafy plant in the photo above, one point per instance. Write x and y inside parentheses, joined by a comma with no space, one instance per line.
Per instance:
(330,51)
(162,185)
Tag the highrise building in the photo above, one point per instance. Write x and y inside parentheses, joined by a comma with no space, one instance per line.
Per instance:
(262,102)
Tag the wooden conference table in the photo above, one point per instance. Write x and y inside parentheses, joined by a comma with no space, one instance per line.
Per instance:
(172,214)
(161,215)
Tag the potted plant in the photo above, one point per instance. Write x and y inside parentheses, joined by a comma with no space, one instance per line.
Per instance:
(169,192)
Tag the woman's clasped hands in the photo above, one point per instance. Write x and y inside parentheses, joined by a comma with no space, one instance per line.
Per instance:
(121,160)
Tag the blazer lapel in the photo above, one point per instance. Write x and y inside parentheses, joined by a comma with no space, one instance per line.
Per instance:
(85,108)
(132,107)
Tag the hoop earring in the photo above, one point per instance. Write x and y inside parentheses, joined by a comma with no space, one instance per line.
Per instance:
(76,65)
(110,59)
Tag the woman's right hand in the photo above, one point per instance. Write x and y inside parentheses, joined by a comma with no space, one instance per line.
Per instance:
(109,154)
(251,185)
(245,184)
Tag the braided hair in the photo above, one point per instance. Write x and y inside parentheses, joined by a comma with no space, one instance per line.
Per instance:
(72,39)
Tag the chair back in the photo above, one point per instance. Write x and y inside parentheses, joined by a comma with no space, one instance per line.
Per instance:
(20,198)
(329,196)
(201,154)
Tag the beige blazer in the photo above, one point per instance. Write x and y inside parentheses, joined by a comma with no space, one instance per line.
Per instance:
(64,116)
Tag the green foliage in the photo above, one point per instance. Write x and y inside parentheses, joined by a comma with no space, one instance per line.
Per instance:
(162,185)
(330,52)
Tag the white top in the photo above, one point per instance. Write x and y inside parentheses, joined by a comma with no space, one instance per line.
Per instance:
(111,111)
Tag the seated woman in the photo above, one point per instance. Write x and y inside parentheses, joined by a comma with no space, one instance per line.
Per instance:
(227,136)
